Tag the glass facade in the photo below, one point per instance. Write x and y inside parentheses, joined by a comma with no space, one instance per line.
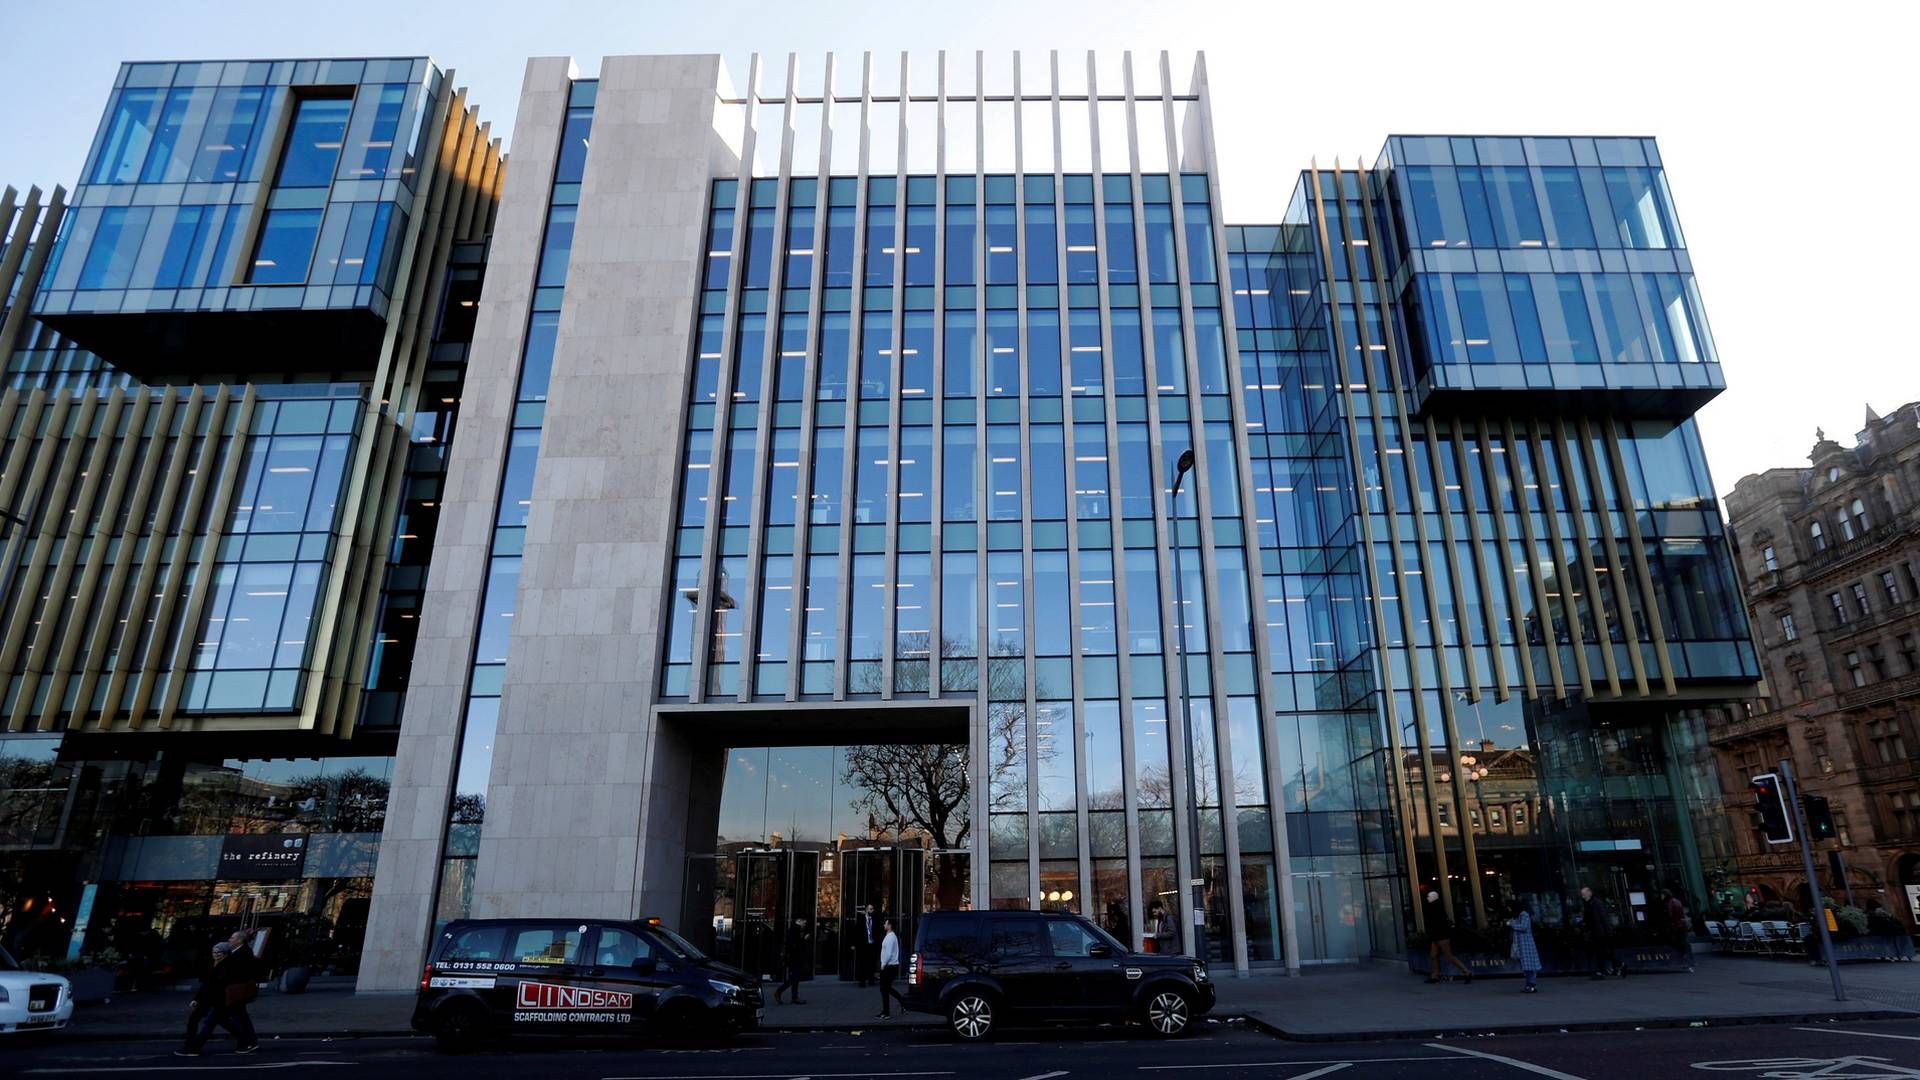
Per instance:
(165,219)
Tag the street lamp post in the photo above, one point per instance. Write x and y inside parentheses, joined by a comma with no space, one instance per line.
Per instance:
(1196,882)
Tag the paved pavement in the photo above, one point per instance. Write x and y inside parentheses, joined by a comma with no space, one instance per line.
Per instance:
(1862,1050)
(1369,1000)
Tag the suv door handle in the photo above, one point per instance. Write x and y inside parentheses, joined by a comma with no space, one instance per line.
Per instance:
(1064,965)
(596,971)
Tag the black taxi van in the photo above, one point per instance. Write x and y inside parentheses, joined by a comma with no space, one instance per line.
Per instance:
(489,978)
(984,970)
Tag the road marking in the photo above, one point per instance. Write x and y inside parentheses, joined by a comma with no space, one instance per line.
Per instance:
(1296,1061)
(1336,1067)
(1526,1066)
(1046,1076)
(777,1076)
(184,1068)
(1868,1034)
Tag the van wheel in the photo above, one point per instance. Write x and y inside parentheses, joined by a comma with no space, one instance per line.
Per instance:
(687,1025)
(1168,1013)
(463,1028)
(971,1016)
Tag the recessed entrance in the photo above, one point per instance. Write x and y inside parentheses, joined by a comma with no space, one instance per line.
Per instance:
(817,833)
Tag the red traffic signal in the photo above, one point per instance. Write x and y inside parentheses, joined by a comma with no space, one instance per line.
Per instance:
(1770,801)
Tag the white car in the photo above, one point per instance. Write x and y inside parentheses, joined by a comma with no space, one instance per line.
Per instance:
(32,1001)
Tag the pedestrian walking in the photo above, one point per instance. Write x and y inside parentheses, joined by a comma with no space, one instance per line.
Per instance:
(1679,923)
(222,998)
(1523,948)
(1595,933)
(1440,939)
(204,997)
(889,971)
(794,959)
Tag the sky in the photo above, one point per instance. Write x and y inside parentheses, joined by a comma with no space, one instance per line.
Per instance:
(1763,111)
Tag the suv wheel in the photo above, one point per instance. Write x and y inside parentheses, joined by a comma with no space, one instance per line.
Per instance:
(971,1016)
(1168,1013)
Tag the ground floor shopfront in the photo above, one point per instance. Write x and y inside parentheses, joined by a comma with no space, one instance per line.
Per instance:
(143,858)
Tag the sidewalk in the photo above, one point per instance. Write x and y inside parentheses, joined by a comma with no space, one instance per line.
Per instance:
(1382,1000)
(1372,1000)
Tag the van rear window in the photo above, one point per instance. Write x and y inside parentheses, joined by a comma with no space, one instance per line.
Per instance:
(949,937)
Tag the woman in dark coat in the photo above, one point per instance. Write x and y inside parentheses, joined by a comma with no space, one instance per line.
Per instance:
(795,956)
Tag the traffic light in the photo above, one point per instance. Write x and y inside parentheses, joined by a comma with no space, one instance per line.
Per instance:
(1819,817)
(1770,801)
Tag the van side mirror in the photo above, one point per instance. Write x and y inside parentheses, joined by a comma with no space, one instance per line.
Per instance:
(1100,952)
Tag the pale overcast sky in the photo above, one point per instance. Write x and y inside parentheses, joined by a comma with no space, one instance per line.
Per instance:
(1763,113)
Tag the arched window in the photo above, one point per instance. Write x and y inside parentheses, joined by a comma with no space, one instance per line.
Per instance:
(1818,536)
(1859,511)
(1846,525)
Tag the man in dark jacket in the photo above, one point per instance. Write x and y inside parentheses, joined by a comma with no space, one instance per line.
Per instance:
(796,956)
(1596,933)
(208,996)
(1440,938)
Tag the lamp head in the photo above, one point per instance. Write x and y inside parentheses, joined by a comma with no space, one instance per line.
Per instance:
(1185,464)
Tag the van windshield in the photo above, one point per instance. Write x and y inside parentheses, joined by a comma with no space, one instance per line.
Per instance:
(7,962)
(675,944)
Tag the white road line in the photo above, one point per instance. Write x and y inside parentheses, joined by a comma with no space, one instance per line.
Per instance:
(1336,1067)
(182,1068)
(1526,1066)
(1867,1034)
(1046,1076)
(776,1076)
(1295,1061)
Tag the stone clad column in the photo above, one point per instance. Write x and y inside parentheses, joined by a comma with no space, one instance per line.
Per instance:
(588,800)
(411,843)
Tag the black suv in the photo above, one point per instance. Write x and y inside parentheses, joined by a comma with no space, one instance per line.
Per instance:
(983,969)
(487,978)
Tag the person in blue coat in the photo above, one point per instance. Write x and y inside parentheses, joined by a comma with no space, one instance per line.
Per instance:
(1523,948)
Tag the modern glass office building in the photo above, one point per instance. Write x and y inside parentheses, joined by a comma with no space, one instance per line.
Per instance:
(814,534)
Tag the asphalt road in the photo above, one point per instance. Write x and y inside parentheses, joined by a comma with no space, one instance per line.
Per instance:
(1848,1051)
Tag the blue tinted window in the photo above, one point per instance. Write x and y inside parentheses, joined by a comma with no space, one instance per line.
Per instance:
(759,266)
(168,158)
(231,130)
(1002,269)
(790,360)
(783,477)
(1210,351)
(836,337)
(1083,248)
(376,125)
(880,245)
(286,246)
(1638,211)
(572,166)
(1526,319)
(959,469)
(919,253)
(516,481)
(1579,326)
(129,133)
(1169,352)
(1121,269)
(536,366)
(916,475)
(961,231)
(750,350)
(1571,226)
(962,353)
(876,357)
(1043,352)
(1136,472)
(840,223)
(798,273)
(1042,252)
(313,142)
(116,244)
(1516,215)
(1159,219)
(829,454)
(1003,354)
(184,242)
(1128,357)
(557,247)
(1198,224)
(1003,472)
(1048,471)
